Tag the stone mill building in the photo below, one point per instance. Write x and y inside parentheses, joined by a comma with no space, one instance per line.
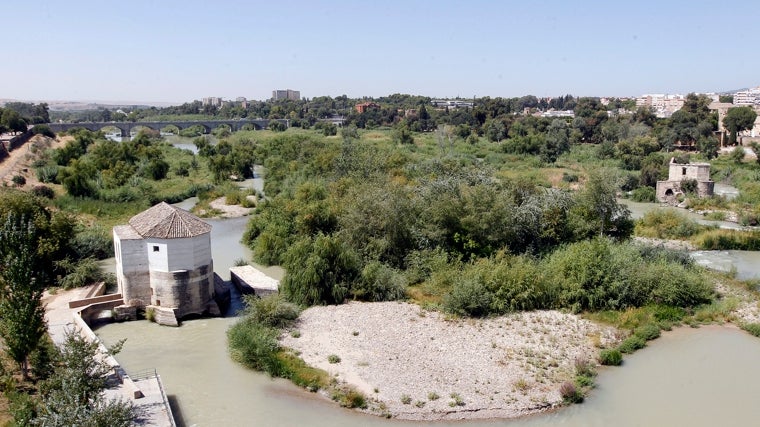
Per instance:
(678,173)
(164,264)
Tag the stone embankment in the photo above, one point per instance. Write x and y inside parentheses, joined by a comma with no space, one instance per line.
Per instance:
(422,365)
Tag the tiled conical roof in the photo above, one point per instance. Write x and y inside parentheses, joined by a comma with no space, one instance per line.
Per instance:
(165,221)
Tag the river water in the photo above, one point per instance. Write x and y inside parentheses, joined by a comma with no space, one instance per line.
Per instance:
(695,377)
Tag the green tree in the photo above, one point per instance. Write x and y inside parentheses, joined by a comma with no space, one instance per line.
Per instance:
(13,120)
(557,141)
(73,396)
(597,208)
(738,119)
(737,155)
(709,146)
(22,316)
(320,270)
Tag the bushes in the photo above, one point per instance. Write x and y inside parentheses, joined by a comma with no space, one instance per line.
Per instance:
(255,346)
(644,194)
(752,328)
(82,273)
(591,275)
(378,282)
(271,310)
(666,224)
(469,298)
(631,344)
(43,191)
(610,357)
(723,239)
(570,393)
(647,332)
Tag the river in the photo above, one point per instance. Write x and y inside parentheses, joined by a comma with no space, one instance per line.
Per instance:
(696,377)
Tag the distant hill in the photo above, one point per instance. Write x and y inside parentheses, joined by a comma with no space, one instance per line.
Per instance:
(93,105)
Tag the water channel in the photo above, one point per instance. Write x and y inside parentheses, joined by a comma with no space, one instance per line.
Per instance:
(696,377)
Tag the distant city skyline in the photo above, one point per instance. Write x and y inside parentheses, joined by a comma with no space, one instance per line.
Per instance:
(177,51)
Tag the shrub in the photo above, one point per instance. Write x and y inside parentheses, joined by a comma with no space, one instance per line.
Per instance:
(456,400)
(647,332)
(93,242)
(666,224)
(255,346)
(47,173)
(569,177)
(468,298)
(82,273)
(18,180)
(350,398)
(406,399)
(570,393)
(378,282)
(42,129)
(669,314)
(150,314)
(433,396)
(644,194)
(583,367)
(610,357)
(752,328)
(333,358)
(272,310)
(43,191)
(631,344)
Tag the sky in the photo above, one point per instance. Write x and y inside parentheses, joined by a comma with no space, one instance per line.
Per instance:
(177,51)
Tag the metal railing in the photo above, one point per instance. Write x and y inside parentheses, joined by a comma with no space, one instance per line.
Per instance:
(143,374)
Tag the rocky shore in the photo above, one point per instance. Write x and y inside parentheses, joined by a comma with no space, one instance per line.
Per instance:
(422,365)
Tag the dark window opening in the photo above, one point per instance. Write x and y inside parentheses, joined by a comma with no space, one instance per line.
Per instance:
(683,171)
(155,248)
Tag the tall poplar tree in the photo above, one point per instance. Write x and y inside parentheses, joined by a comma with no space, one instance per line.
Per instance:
(22,316)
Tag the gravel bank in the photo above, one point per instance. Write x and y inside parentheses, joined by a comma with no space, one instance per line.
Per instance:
(396,352)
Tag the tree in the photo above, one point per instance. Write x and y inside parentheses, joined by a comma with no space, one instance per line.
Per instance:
(73,396)
(738,119)
(598,207)
(13,121)
(557,141)
(22,316)
(320,270)
(708,146)
(737,155)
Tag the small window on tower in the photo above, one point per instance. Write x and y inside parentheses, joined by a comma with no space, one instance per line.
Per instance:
(155,248)
(683,171)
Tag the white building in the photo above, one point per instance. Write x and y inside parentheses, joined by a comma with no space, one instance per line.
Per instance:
(164,264)
(747,97)
(662,105)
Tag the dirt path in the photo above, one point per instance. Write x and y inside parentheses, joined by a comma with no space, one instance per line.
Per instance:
(21,159)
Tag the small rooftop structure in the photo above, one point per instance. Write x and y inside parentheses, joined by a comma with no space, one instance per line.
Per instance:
(678,174)
(164,264)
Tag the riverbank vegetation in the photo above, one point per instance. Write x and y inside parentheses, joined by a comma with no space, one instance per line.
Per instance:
(253,342)
(477,212)
(481,226)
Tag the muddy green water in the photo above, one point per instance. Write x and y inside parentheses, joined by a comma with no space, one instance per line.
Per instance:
(688,377)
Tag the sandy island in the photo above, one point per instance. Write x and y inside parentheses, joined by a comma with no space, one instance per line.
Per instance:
(396,352)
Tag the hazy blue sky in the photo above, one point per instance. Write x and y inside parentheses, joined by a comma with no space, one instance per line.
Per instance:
(177,51)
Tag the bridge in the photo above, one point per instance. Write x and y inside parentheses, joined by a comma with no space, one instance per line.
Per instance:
(207,125)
